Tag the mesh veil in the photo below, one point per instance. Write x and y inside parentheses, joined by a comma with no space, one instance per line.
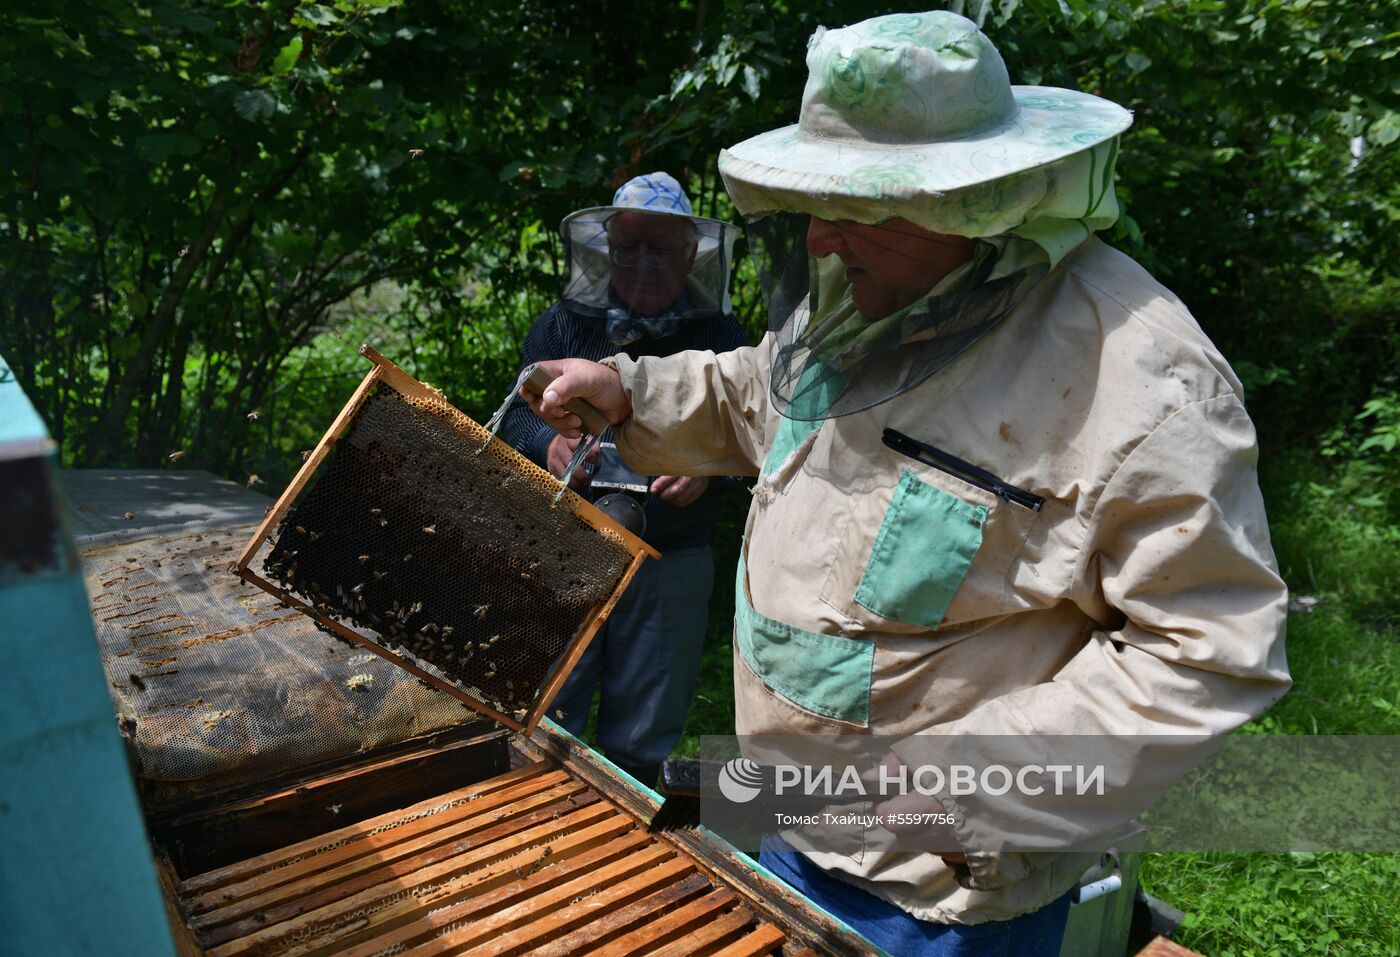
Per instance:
(830,361)
(706,290)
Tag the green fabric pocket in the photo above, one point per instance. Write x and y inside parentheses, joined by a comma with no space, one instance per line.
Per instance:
(921,555)
(826,674)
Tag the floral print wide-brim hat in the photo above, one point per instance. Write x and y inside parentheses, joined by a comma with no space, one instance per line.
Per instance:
(915,116)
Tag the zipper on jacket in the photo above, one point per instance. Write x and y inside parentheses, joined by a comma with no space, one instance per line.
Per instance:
(956,467)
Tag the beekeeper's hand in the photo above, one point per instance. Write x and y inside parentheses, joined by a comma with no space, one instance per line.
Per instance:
(911,813)
(596,384)
(679,490)
(561,450)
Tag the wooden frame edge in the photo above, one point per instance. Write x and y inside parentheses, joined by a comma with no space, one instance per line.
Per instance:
(384,370)
(168,815)
(591,514)
(182,937)
(804,923)
(252,796)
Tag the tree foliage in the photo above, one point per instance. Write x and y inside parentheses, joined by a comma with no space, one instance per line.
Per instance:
(201,195)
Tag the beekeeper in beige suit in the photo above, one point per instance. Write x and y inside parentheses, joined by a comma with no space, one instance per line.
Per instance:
(1006,484)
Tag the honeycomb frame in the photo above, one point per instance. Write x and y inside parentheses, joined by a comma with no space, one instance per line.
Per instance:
(327,612)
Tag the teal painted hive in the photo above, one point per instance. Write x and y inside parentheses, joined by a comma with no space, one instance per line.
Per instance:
(78,876)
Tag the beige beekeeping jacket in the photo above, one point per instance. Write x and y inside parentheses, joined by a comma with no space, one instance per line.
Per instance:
(1141,599)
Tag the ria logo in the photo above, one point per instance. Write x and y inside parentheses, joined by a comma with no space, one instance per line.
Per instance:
(740,780)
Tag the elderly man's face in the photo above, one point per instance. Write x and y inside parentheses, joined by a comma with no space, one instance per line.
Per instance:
(652,255)
(891,265)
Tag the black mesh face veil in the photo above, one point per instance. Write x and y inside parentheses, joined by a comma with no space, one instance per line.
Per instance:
(829,360)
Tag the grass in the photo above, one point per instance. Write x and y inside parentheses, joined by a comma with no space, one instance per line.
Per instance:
(1346,675)
(1252,905)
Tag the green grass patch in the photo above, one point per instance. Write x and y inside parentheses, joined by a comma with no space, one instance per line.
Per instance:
(1260,905)
(1346,675)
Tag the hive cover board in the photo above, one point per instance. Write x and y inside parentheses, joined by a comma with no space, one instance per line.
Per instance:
(411,530)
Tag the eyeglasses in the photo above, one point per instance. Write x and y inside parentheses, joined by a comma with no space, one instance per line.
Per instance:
(630,256)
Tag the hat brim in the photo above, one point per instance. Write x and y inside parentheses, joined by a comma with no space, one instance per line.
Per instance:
(1050,124)
(604,212)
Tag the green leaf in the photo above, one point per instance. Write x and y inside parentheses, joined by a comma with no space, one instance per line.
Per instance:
(556,106)
(1137,62)
(91,89)
(193,22)
(1131,227)
(524,169)
(317,15)
(553,176)
(288,56)
(1385,130)
(255,104)
(682,82)
(126,347)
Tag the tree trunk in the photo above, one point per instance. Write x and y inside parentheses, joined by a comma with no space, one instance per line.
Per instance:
(164,432)
(111,432)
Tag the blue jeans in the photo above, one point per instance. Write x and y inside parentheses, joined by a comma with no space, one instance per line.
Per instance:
(1036,934)
(646,658)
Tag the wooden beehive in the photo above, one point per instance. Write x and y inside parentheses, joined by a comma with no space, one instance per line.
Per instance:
(433,835)
(549,857)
